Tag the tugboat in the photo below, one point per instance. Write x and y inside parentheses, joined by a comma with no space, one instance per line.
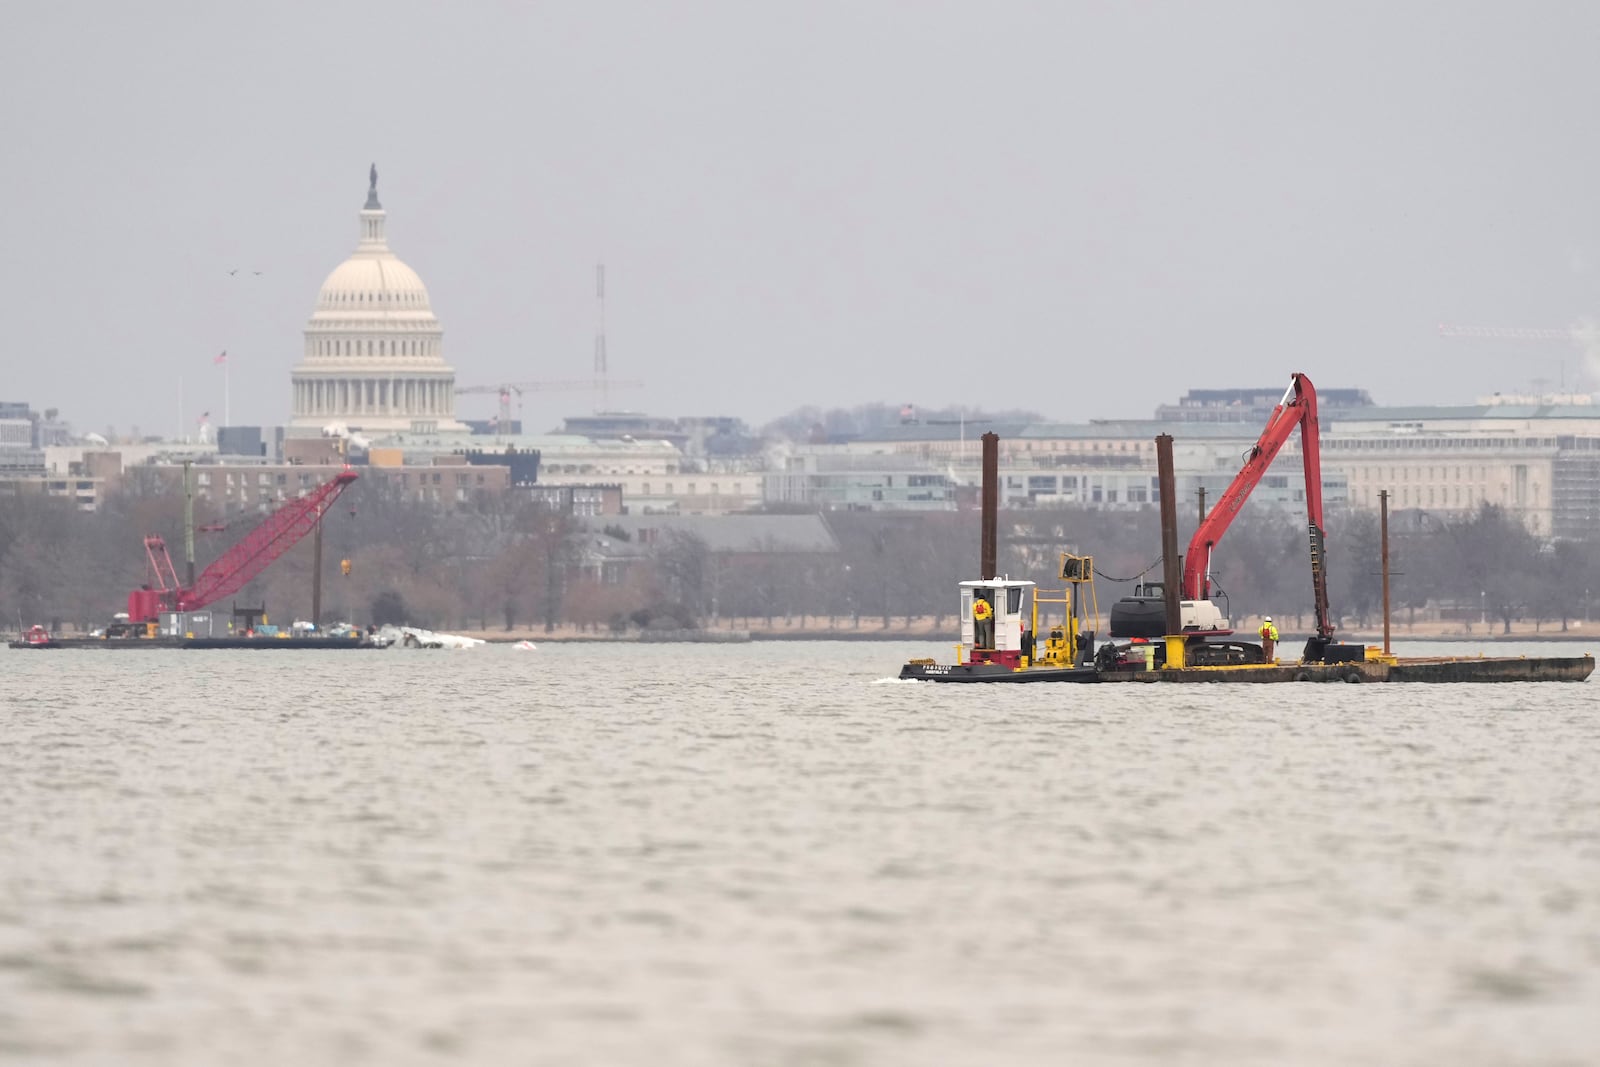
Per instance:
(1000,616)
(36,637)
(1018,655)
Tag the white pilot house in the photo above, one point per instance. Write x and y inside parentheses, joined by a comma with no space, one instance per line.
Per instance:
(1009,603)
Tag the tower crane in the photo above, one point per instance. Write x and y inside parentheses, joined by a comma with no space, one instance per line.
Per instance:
(505,389)
(234,569)
(1584,333)
(601,384)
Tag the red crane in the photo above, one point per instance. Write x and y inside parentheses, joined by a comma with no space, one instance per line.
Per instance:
(1297,408)
(234,569)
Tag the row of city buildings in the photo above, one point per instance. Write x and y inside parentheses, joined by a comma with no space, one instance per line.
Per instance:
(372,388)
(1540,461)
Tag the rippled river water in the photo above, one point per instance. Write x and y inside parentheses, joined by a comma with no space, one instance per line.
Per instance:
(773,854)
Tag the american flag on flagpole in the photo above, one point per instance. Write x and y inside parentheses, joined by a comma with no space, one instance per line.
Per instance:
(222,358)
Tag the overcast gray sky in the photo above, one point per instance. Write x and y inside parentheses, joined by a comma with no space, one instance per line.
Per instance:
(1082,208)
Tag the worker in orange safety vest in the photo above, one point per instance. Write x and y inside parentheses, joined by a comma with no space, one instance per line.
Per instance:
(1269,638)
(983,619)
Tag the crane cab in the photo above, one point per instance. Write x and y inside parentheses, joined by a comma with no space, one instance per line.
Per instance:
(190,624)
(1008,600)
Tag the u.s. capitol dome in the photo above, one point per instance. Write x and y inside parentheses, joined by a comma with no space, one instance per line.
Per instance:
(373,348)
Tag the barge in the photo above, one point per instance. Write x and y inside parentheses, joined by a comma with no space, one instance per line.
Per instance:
(166,612)
(1173,630)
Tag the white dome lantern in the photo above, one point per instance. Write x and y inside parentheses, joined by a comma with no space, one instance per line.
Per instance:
(373,349)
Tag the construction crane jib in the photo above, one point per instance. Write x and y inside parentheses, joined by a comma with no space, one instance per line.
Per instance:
(505,390)
(234,569)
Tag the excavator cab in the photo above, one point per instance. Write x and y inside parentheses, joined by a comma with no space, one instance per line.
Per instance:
(1144,614)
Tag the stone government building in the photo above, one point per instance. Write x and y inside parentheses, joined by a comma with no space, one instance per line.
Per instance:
(1537,457)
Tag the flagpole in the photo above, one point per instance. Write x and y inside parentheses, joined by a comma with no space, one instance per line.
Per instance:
(181,427)
(225,420)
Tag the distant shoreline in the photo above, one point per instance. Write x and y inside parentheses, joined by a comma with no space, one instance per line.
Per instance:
(875,634)
(925,629)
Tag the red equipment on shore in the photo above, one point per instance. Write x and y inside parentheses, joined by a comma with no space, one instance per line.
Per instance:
(233,570)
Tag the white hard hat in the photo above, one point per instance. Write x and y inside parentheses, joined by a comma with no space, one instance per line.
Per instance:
(1267,619)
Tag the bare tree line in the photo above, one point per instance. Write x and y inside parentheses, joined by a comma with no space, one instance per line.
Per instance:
(494,562)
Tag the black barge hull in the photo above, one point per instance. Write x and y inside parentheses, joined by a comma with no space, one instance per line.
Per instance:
(1423,671)
(989,672)
(292,644)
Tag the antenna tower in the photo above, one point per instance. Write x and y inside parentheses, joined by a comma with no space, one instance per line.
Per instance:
(601,372)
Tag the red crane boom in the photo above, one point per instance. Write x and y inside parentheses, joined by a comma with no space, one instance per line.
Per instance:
(1297,408)
(233,570)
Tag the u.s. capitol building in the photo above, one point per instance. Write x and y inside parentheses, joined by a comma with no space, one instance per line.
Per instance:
(373,348)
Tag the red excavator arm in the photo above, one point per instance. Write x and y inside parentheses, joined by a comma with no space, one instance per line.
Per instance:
(1297,408)
(232,570)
